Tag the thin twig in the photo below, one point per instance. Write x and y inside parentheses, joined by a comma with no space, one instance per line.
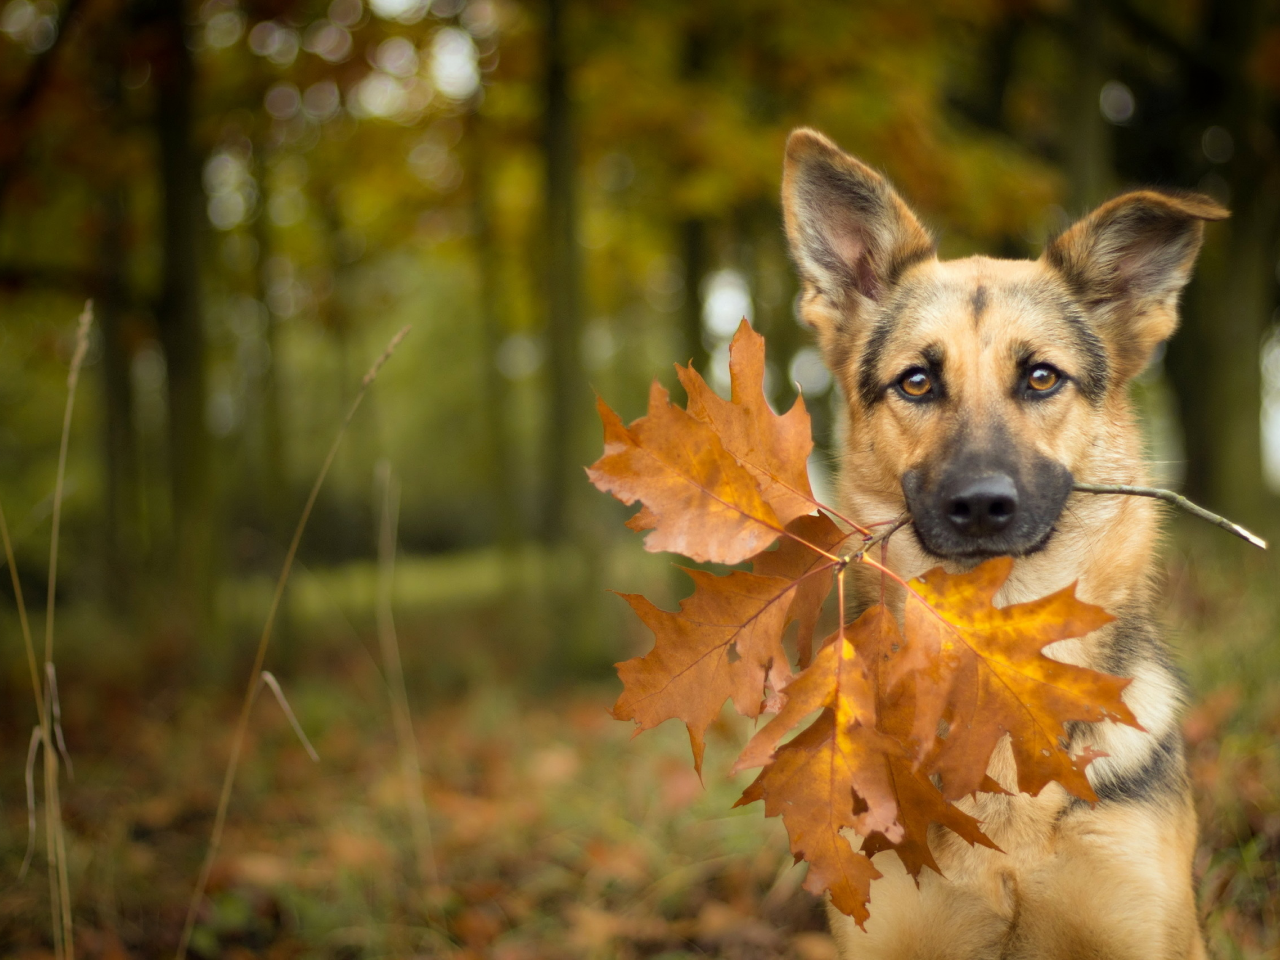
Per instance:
(1177,500)
(410,766)
(269,679)
(242,724)
(882,537)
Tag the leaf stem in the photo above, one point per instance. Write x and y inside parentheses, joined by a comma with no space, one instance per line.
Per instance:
(883,536)
(1177,500)
(840,600)
(862,558)
(816,549)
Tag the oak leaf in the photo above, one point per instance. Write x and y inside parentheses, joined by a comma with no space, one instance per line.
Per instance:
(723,644)
(700,501)
(837,682)
(774,448)
(809,789)
(797,559)
(980,669)
(920,803)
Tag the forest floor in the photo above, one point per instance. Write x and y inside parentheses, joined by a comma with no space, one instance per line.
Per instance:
(554,834)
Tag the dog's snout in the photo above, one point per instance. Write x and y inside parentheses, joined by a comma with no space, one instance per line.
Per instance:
(983,506)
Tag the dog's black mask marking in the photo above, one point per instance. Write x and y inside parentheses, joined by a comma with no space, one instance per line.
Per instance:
(986,500)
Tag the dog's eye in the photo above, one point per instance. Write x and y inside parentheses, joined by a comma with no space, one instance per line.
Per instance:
(1043,378)
(916,383)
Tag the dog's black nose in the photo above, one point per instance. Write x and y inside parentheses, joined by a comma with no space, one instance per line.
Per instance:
(983,506)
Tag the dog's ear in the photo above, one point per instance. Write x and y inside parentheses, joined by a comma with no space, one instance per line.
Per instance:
(1128,261)
(850,233)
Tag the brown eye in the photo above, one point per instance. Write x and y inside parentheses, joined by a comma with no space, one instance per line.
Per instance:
(916,384)
(1043,378)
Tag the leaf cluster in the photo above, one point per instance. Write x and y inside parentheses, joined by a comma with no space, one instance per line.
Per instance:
(904,709)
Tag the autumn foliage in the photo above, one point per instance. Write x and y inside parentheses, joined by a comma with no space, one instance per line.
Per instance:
(905,709)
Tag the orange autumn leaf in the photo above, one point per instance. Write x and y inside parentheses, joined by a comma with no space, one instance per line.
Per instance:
(643,519)
(835,682)
(796,559)
(723,644)
(807,786)
(775,449)
(980,668)
(700,501)
(920,803)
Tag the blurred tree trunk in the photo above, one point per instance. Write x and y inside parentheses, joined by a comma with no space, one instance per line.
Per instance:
(1213,362)
(568,396)
(502,470)
(23,111)
(121,516)
(1088,154)
(693,229)
(179,316)
(271,457)
(693,254)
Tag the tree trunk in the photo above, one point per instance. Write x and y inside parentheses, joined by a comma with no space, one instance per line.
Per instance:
(1088,152)
(120,517)
(501,463)
(693,250)
(180,322)
(271,454)
(568,397)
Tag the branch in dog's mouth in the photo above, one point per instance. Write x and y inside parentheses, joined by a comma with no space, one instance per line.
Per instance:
(1177,500)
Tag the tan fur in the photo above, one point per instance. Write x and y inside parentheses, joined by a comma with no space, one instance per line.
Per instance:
(1112,881)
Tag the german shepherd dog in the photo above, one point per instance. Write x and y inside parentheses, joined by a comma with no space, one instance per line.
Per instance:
(977,392)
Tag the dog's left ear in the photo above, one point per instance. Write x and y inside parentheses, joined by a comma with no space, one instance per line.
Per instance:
(1128,261)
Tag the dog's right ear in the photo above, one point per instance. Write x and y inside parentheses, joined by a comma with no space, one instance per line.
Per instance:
(851,235)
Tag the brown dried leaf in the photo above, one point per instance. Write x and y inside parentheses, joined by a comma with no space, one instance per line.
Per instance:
(798,560)
(808,786)
(919,802)
(836,681)
(701,502)
(980,668)
(774,448)
(721,645)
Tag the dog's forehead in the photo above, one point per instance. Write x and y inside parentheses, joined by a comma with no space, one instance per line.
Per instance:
(1022,296)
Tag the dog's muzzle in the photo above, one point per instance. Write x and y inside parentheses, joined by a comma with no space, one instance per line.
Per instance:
(974,508)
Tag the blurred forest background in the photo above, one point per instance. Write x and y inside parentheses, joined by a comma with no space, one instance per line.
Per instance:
(560,196)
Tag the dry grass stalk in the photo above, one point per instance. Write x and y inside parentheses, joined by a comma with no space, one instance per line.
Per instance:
(255,675)
(49,731)
(406,742)
(269,680)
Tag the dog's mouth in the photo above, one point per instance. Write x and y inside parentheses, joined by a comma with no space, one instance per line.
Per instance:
(987,512)
(980,551)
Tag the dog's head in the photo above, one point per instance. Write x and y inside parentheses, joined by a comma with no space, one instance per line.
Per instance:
(976,388)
